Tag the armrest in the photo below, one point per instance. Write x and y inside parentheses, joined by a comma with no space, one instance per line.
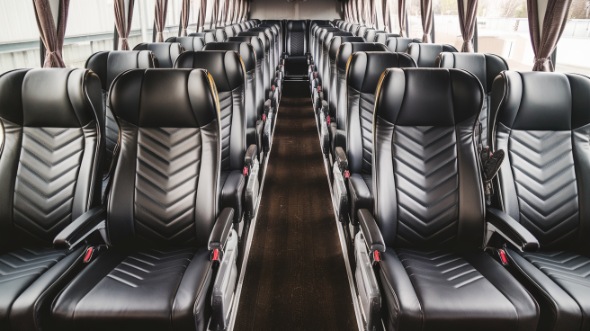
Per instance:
(341,158)
(251,153)
(371,231)
(511,230)
(221,229)
(80,228)
(267,106)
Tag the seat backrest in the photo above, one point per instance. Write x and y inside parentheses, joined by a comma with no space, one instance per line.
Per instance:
(334,46)
(370,35)
(272,49)
(237,29)
(361,31)
(485,67)
(192,43)
(322,33)
(381,37)
(246,52)
(229,32)
(165,187)
(426,177)
(165,53)
(543,124)
(259,51)
(325,59)
(345,51)
(229,74)
(51,152)
(210,35)
(312,27)
(362,78)
(266,69)
(425,54)
(400,44)
(296,42)
(277,37)
(220,34)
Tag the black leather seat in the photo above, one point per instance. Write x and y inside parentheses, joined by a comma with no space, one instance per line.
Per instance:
(296,41)
(259,50)
(165,53)
(162,218)
(229,74)
(428,225)
(542,123)
(335,44)
(229,32)
(266,68)
(192,43)
(208,36)
(361,80)
(370,35)
(220,34)
(325,60)
(485,67)
(400,44)
(381,37)
(360,32)
(108,65)
(50,170)
(425,54)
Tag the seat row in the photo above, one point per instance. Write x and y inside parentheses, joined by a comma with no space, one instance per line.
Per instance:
(441,242)
(133,219)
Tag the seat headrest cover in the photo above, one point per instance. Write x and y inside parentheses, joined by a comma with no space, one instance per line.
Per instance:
(244,49)
(173,98)
(120,61)
(226,67)
(381,37)
(191,43)
(542,100)
(428,97)
(348,48)
(365,68)
(254,41)
(61,98)
(165,53)
(425,54)
(339,40)
(484,66)
(399,44)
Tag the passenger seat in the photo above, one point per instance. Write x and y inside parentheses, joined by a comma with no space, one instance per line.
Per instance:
(165,53)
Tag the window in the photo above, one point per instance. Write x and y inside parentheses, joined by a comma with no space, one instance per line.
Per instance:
(142,24)
(414,19)
(19,41)
(446,23)
(574,46)
(89,30)
(503,29)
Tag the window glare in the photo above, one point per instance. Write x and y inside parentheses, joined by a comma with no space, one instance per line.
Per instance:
(19,37)
(574,46)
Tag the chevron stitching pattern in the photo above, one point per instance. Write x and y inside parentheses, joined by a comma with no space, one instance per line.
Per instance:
(46,180)
(544,174)
(148,268)
(167,175)
(226,106)
(111,132)
(439,269)
(562,267)
(425,162)
(483,119)
(366,109)
(297,42)
(27,263)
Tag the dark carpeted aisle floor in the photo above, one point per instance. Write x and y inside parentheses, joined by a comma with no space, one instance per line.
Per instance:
(295,277)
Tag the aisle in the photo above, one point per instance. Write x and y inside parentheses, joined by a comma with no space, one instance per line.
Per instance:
(295,277)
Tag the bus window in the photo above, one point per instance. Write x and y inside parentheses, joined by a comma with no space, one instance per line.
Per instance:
(414,19)
(87,33)
(446,23)
(503,29)
(19,40)
(574,46)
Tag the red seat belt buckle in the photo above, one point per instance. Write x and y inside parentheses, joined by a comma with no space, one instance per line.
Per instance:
(215,255)
(376,257)
(264,117)
(245,171)
(88,254)
(328,120)
(503,257)
(346,174)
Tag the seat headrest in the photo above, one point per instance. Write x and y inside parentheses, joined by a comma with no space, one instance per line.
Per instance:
(245,50)
(425,54)
(365,68)
(400,44)
(261,35)
(165,53)
(347,49)
(331,34)
(339,40)
(220,34)
(254,41)
(121,61)
(165,98)
(453,96)
(61,98)
(541,100)
(296,26)
(484,66)
(382,37)
(191,43)
(226,67)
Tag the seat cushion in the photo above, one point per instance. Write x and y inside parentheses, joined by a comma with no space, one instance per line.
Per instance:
(560,281)
(141,290)
(444,290)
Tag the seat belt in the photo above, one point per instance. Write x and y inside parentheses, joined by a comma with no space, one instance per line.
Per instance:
(490,164)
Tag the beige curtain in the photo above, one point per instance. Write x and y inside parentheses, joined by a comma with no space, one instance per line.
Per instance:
(160,19)
(545,41)
(184,17)
(123,17)
(467,17)
(426,13)
(401,16)
(385,13)
(52,36)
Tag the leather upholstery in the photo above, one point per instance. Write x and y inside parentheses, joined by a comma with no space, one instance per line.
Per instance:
(370,35)
(157,271)
(50,167)
(296,42)
(259,50)
(364,70)
(273,60)
(334,82)
(485,67)
(543,124)
(361,31)
(229,32)
(429,207)
(266,68)
(229,74)
(220,34)
(325,62)
(382,37)
(399,44)
(425,54)
(189,43)
(165,53)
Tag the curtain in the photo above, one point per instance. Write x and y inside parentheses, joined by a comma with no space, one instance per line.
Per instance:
(426,13)
(385,13)
(247,14)
(401,15)
(185,12)
(467,16)
(372,13)
(202,13)
(123,22)
(160,19)
(544,41)
(230,12)
(52,35)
